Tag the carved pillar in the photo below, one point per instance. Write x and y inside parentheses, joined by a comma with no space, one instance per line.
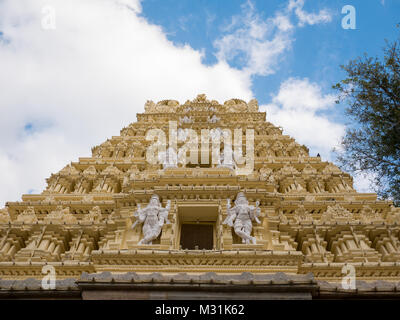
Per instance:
(227,231)
(168,233)
(219,229)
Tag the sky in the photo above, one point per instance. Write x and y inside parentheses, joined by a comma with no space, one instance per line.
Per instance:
(74,73)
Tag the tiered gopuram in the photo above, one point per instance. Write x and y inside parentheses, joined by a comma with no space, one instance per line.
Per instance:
(258,212)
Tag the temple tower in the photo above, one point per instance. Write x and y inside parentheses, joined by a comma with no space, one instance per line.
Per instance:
(195,188)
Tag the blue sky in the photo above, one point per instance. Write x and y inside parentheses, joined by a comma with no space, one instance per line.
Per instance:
(73,73)
(317,51)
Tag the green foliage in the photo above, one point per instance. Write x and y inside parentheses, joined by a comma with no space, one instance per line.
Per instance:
(371,144)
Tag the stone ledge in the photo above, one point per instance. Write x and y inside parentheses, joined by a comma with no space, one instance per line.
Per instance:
(32,284)
(244,278)
(131,285)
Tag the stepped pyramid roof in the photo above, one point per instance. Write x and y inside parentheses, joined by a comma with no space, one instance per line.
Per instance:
(309,216)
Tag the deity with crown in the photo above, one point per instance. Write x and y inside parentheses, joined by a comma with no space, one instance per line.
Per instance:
(153,217)
(241,217)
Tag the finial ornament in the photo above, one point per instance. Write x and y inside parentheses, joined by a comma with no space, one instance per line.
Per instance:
(200,98)
(241,217)
(153,217)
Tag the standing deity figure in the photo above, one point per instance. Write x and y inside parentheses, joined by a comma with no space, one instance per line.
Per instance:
(241,217)
(153,217)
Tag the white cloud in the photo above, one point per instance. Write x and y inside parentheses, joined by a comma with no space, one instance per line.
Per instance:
(282,22)
(296,108)
(256,44)
(81,83)
(323,16)
(296,94)
(134,5)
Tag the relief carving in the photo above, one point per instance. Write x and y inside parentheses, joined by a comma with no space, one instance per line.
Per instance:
(241,217)
(153,217)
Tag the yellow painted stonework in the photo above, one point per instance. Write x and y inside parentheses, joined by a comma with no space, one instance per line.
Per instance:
(312,220)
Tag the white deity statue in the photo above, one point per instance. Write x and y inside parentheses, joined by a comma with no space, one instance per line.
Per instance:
(241,217)
(213,119)
(185,119)
(153,217)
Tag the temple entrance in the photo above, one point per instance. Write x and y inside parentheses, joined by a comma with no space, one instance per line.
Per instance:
(197,236)
(197,227)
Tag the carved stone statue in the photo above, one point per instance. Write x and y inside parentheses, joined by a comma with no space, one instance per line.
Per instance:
(60,215)
(337,213)
(369,215)
(132,174)
(393,216)
(201,98)
(164,106)
(301,214)
(253,105)
(263,150)
(27,216)
(69,170)
(236,105)
(241,216)
(213,119)
(4,216)
(331,168)
(265,173)
(94,215)
(185,119)
(150,106)
(153,217)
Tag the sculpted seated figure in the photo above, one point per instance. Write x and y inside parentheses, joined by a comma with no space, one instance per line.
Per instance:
(241,217)
(153,217)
